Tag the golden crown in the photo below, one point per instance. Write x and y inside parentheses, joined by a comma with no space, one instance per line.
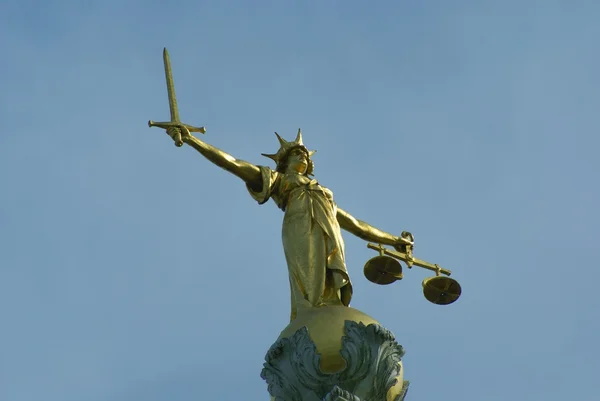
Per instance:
(285,147)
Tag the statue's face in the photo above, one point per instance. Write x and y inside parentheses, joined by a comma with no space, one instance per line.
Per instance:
(297,161)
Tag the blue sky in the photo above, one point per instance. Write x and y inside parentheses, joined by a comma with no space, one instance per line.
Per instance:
(134,270)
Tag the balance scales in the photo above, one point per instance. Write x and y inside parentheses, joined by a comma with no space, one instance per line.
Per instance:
(386,269)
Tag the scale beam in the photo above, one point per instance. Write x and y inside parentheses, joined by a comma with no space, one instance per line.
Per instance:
(410,260)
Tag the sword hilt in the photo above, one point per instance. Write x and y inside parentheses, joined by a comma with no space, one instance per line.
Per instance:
(175,124)
(169,124)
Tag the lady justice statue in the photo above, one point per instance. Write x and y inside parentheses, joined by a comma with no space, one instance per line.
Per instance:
(312,239)
(329,351)
(321,320)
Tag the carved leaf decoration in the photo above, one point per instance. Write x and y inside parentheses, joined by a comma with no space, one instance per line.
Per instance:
(357,353)
(278,384)
(388,369)
(387,365)
(305,362)
(372,355)
(402,394)
(338,394)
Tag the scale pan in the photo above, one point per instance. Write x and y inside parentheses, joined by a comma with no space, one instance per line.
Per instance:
(441,290)
(383,270)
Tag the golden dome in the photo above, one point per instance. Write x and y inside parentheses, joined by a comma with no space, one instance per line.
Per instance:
(326,328)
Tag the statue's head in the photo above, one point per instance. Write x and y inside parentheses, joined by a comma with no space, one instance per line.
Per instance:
(293,155)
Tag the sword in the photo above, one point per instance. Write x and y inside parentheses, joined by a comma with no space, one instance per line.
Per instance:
(175,122)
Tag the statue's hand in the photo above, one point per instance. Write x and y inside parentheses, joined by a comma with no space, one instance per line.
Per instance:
(405,242)
(179,134)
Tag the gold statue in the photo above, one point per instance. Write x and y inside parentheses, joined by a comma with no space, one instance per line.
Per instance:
(312,239)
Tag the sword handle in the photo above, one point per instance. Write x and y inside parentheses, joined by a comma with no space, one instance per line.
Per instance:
(175,124)
(177,139)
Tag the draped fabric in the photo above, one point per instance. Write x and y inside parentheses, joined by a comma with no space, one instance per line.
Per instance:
(312,240)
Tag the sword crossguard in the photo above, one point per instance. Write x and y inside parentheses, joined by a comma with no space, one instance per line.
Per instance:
(170,124)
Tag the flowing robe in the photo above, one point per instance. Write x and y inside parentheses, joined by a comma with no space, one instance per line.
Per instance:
(312,239)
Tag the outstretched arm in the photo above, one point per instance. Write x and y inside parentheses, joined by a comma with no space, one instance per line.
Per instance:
(244,170)
(367,232)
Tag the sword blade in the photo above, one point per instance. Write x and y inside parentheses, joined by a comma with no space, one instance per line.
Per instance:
(170,87)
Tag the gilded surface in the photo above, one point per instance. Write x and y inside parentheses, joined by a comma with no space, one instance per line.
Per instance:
(312,239)
(312,223)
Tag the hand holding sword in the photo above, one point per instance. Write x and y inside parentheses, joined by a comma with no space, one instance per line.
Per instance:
(175,128)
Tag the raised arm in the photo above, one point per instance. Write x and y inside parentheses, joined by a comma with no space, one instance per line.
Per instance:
(367,232)
(244,170)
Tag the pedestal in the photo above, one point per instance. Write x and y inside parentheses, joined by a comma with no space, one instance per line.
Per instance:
(335,353)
